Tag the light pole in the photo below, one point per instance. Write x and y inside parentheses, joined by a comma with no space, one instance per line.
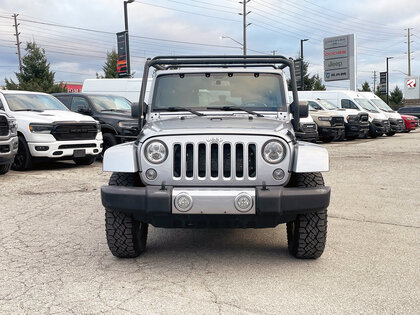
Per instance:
(232,39)
(387,80)
(127,39)
(301,47)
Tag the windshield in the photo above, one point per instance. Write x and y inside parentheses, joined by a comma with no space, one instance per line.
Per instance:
(381,104)
(366,104)
(252,91)
(109,102)
(35,102)
(327,104)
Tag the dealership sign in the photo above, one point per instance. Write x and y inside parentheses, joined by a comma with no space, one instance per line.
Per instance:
(122,67)
(411,83)
(339,59)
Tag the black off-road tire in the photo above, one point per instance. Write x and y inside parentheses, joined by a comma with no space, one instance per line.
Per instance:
(85,160)
(4,168)
(126,236)
(23,159)
(391,133)
(307,234)
(109,141)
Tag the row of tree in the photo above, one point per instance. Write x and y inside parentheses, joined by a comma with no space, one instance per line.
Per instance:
(37,76)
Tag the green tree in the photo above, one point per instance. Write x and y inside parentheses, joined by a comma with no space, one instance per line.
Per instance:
(318,86)
(366,87)
(36,74)
(396,98)
(110,66)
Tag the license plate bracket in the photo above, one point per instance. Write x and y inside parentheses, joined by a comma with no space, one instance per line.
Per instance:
(79,153)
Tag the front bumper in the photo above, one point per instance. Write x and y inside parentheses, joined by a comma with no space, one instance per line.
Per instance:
(331,132)
(397,125)
(307,136)
(273,205)
(356,129)
(8,150)
(62,149)
(380,127)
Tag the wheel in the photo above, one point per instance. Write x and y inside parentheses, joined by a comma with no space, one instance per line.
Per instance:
(352,137)
(23,159)
(126,236)
(391,133)
(4,168)
(307,234)
(373,134)
(85,160)
(109,141)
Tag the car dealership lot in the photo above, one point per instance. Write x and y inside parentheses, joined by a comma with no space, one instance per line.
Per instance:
(54,257)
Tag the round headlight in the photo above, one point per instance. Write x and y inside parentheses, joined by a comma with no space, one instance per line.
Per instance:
(273,152)
(156,152)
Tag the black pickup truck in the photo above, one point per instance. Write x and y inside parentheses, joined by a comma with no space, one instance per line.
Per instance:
(113,112)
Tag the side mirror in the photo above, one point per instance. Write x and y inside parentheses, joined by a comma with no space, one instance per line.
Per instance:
(83,109)
(135,109)
(303,109)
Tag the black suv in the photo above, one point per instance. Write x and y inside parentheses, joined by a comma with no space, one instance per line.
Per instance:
(410,110)
(113,112)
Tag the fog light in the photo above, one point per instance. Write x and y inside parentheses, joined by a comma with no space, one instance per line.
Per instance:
(183,202)
(151,174)
(41,148)
(243,202)
(278,174)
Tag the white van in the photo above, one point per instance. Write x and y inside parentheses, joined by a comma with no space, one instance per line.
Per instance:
(379,123)
(395,119)
(128,88)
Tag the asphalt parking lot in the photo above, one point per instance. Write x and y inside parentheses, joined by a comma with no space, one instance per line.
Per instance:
(54,257)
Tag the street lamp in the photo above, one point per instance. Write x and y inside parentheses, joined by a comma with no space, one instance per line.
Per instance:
(301,47)
(126,29)
(387,80)
(228,37)
(400,72)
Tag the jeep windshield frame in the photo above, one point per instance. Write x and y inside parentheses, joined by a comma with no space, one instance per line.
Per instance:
(213,91)
(224,62)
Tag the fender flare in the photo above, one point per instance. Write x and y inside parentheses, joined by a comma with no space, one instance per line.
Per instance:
(309,157)
(121,158)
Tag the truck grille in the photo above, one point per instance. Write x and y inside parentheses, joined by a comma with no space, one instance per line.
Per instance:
(4,126)
(214,160)
(337,121)
(308,127)
(76,131)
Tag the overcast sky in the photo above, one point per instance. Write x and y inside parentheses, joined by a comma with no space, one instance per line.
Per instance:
(193,27)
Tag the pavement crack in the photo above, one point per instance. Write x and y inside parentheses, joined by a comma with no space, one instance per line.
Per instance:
(374,222)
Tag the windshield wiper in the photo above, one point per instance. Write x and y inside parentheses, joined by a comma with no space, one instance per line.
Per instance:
(183,109)
(233,108)
(28,110)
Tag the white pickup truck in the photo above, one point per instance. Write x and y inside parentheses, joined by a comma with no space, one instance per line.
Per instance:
(48,130)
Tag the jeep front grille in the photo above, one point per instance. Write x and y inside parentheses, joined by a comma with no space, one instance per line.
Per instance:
(215,160)
(75,131)
(4,126)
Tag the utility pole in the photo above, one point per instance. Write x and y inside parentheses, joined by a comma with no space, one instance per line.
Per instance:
(17,41)
(409,51)
(245,25)
(387,80)
(374,81)
(127,40)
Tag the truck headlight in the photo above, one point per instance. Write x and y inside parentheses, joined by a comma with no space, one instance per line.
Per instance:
(40,128)
(273,151)
(129,124)
(13,127)
(156,152)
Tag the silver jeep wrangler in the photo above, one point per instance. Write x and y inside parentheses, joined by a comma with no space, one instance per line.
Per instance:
(217,148)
